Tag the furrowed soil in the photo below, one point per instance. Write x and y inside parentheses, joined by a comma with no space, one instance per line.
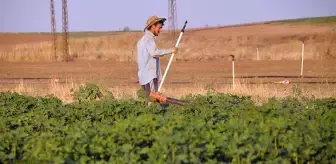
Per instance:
(110,73)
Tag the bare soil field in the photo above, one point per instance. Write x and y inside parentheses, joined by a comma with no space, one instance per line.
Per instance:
(183,77)
(270,41)
(109,60)
(12,39)
(118,73)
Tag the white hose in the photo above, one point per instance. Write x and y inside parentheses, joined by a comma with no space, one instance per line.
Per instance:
(172,56)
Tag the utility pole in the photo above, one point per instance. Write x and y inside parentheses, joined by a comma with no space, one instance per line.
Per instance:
(172,19)
(65,30)
(53,28)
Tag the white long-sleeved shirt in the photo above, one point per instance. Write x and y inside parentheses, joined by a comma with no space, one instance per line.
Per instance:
(148,58)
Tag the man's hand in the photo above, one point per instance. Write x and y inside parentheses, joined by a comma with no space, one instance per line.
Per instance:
(175,50)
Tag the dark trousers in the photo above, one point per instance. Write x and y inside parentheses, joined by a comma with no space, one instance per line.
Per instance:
(151,86)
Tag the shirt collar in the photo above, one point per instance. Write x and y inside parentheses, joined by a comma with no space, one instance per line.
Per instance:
(150,33)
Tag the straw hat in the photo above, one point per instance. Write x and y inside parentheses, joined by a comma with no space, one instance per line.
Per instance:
(152,20)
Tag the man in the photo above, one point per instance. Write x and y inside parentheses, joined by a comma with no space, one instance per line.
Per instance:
(149,71)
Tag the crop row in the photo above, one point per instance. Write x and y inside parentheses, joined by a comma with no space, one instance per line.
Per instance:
(211,129)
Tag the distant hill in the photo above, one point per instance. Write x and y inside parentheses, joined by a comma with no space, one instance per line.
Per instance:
(299,21)
(308,20)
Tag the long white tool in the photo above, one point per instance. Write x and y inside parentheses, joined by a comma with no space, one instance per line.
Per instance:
(172,56)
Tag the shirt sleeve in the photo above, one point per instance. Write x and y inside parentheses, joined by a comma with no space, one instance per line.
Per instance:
(154,51)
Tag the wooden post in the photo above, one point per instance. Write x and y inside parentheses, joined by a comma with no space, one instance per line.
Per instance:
(257,53)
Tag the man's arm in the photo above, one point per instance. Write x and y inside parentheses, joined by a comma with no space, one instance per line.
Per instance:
(154,51)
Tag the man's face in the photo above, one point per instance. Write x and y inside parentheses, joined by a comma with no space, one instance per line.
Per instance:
(157,29)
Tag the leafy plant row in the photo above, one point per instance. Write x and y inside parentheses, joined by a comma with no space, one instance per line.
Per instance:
(211,129)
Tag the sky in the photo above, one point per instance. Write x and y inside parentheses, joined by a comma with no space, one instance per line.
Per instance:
(110,15)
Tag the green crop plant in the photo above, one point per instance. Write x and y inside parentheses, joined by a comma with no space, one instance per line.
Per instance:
(90,92)
(215,128)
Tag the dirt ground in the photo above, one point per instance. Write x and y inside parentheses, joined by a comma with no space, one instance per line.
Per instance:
(10,39)
(111,73)
(275,41)
(197,44)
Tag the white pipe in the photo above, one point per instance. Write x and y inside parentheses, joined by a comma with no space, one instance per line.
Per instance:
(233,75)
(233,72)
(302,55)
(171,57)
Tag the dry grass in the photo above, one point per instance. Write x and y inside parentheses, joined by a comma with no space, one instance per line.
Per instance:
(274,42)
(60,90)
(258,92)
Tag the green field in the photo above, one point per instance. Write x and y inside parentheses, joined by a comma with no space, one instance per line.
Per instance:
(213,128)
(310,20)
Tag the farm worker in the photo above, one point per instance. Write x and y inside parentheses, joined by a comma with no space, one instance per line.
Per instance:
(148,55)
